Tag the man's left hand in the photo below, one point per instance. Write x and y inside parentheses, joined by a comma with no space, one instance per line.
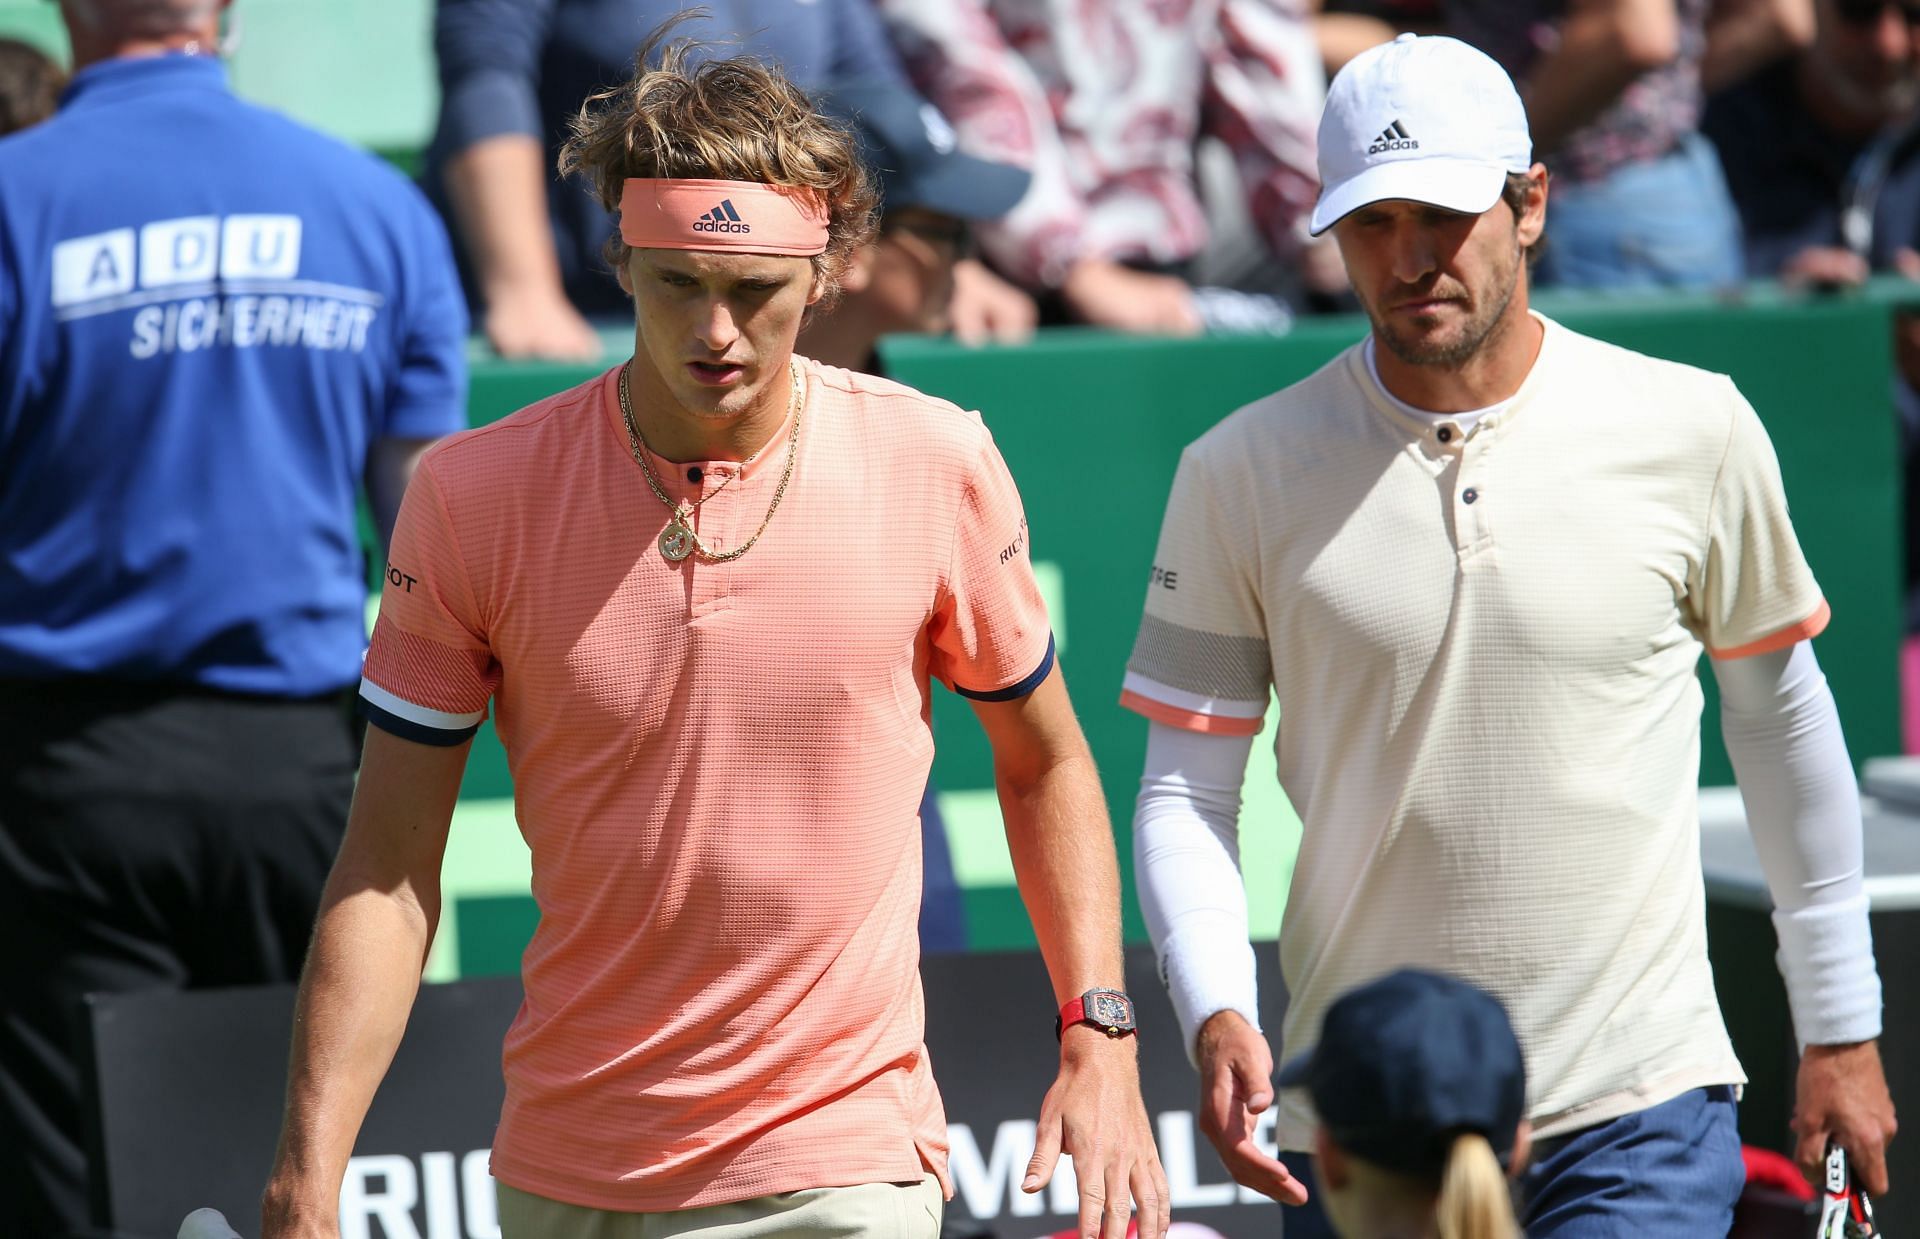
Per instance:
(1093,1113)
(988,310)
(1842,1095)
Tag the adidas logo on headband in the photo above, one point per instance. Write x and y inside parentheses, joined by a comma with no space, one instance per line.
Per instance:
(722,218)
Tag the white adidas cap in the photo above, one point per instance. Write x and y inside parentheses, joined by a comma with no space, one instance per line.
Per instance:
(1425,119)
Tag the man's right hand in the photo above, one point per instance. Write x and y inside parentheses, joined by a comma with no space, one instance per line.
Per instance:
(540,327)
(1840,1096)
(1236,1087)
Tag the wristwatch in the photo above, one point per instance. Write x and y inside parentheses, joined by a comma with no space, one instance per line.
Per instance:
(1109,1010)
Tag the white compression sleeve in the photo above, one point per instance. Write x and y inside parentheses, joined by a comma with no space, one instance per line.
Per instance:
(1783,734)
(1186,850)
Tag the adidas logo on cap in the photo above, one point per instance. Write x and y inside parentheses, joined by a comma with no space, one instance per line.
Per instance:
(1393,138)
(722,218)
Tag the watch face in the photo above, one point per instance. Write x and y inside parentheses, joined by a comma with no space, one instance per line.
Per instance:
(1109,1010)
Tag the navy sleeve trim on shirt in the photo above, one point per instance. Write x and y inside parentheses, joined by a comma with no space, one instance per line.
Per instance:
(407,729)
(1015,691)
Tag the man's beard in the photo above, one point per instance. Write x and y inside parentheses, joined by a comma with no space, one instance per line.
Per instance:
(1474,335)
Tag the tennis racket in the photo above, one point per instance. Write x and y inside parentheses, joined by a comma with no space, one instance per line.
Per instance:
(1846,1211)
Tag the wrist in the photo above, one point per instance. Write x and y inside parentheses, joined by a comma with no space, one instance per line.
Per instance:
(296,1205)
(1075,279)
(298,1187)
(1221,1024)
(523,286)
(1085,1043)
(1841,1049)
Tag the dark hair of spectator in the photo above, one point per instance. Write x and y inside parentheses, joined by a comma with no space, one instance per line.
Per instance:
(725,119)
(138,19)
(30,86)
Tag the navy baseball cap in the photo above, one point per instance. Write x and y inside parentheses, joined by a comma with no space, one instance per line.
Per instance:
(917,156)
(1409,1061)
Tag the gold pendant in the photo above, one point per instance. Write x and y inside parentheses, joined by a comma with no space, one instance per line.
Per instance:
(676,540)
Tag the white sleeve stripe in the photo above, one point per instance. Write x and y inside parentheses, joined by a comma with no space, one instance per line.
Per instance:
(438,720)
(1195,703)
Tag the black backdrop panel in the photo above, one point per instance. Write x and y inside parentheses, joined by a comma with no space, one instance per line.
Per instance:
(189,1091)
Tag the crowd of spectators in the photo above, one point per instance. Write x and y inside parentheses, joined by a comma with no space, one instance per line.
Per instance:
(1169,146)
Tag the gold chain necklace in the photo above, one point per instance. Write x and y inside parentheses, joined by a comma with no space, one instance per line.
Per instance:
(678,540)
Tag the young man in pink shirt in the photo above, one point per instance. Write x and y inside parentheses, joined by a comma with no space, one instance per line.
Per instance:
(705,593)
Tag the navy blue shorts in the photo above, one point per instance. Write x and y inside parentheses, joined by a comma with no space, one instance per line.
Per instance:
(1671,1171)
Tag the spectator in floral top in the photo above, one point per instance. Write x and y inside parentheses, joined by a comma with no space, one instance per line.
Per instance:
(1105,103)
(1613,91)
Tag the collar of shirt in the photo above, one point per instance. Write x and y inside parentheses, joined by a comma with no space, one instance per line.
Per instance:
(1466,421)
(112,80)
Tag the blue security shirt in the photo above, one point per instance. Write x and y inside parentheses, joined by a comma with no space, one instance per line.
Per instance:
(208,316)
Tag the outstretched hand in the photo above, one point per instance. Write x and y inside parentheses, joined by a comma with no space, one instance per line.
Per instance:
(1093,1113)
(1236,1087)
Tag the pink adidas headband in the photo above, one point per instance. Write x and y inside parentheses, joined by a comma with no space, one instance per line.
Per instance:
(744,217)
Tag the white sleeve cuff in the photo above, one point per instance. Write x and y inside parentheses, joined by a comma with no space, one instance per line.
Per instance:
(1826,959)
(1208,969)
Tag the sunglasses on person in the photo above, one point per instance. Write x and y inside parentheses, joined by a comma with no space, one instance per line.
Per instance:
(1866,12)
(953,236)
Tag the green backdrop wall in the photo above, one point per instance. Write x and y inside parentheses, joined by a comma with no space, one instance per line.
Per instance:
(361,70)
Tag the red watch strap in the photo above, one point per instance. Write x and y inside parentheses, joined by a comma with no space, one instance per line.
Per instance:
(1075,1012)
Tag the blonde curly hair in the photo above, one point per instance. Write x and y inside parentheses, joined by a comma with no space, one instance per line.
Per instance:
(732,119)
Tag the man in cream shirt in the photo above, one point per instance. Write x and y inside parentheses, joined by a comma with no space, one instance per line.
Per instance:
(1477,557)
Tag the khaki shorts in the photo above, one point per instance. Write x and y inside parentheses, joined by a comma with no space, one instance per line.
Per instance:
(868,1211)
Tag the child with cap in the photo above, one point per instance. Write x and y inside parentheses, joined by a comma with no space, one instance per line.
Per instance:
(1421,1092)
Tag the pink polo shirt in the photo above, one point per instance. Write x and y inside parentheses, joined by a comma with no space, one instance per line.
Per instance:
(718,769)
